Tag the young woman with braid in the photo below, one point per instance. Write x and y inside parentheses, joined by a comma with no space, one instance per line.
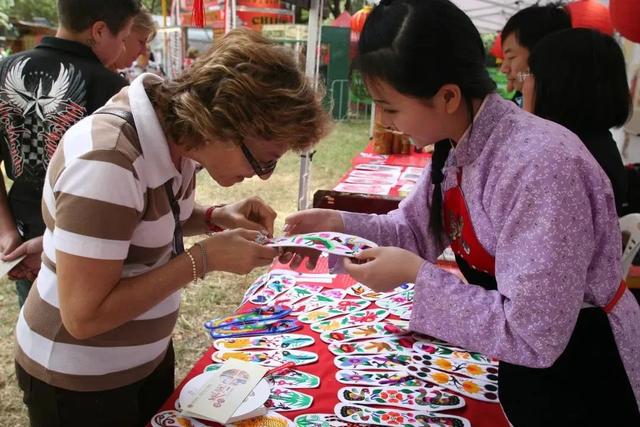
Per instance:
(525,207)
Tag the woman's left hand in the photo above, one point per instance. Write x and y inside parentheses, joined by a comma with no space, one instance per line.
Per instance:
(384,268)
(30,266)
(251,214)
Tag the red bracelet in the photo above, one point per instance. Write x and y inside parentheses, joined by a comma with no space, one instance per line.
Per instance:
(208,219)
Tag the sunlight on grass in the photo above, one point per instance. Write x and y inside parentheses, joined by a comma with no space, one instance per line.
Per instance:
(221,292)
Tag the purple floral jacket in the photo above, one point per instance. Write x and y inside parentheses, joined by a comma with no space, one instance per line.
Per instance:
(542,206)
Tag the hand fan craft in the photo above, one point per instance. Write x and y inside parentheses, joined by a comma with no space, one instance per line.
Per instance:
(334,243)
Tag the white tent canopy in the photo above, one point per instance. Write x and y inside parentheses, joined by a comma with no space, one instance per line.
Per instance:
(490,15)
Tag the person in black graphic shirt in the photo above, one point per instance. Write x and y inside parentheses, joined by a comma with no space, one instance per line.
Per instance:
(43,92)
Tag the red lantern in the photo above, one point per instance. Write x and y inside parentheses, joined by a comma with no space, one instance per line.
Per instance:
(625,15)
(197,14)
(358,19)
(590,14)
(496,49)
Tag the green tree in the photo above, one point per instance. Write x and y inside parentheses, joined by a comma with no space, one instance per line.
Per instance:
(27,10)
(155,6)
(4,17)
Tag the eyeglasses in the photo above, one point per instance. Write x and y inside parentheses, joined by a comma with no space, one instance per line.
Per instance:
(521,76)
(259,169)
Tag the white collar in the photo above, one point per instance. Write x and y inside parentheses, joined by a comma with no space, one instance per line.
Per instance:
(155,148)
(465,135)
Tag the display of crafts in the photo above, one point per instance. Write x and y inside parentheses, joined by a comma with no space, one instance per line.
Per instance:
(390,376)
(330,242)
(371,178)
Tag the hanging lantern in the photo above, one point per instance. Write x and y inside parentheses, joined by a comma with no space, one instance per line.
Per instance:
(625,16)
(358,19)
(496,49)
(590,14)
(197,14)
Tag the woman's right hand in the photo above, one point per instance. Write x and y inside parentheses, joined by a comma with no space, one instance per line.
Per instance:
(236,251)
(309,221)
(9,241)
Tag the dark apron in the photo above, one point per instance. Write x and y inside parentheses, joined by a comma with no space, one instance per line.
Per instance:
(587,385)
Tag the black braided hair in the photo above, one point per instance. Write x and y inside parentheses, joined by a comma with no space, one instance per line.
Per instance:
(439,157)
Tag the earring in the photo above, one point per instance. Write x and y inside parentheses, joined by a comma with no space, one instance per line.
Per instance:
(91,42)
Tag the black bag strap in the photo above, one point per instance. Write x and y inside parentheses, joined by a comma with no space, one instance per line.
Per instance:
(127,116)
(178,243)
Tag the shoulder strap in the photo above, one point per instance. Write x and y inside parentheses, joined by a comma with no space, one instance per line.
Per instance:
(127,116)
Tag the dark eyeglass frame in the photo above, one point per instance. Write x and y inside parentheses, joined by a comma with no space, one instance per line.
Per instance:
(260,170)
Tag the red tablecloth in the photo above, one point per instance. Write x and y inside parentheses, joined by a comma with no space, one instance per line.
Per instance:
(480,414)
(418,160)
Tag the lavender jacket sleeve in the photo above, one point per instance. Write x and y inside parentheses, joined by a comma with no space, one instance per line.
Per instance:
(543,224)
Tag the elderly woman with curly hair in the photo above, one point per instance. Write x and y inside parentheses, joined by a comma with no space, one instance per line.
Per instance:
(94,337)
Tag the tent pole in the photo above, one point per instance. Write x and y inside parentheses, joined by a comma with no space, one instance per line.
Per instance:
(230,15)
(311,70)
(372,122)
(164,13)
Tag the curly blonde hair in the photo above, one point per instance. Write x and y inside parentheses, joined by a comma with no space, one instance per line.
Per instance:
(245,86)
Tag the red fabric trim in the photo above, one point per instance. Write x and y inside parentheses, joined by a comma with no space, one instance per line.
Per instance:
(459,227)
(612,304)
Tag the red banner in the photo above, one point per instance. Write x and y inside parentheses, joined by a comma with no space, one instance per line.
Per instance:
(255,20)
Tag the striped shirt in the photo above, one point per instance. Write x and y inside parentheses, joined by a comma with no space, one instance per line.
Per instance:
(104,198)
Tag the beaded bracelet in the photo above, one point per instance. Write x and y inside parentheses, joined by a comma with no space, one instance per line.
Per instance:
(203,252)
(193,266)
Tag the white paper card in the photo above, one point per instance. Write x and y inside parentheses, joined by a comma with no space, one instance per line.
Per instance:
(223,393)
(7,266)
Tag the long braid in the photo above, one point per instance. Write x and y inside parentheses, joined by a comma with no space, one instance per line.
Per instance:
(439,157)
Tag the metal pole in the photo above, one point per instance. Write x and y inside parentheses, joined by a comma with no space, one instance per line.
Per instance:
(311,70)
(372,122)
(164,13)
(175,13)
(234,14)
(230,15)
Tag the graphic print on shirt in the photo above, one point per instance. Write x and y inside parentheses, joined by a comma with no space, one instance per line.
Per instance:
(36,109)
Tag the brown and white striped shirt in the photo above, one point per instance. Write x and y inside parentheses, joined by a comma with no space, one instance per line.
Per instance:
(104,198)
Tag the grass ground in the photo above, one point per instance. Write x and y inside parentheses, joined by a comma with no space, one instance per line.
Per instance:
(221,292)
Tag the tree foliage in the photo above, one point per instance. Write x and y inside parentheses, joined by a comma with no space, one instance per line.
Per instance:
(28,10)
(155,6)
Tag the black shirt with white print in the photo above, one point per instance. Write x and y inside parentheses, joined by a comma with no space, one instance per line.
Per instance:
(43,92)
